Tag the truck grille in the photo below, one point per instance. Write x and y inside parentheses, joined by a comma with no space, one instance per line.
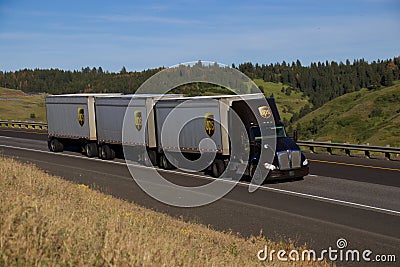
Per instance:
(296,159)
(289,159)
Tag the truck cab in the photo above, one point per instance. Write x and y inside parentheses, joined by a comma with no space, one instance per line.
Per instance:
(288,161)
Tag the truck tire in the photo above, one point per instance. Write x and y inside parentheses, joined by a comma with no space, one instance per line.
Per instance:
(55,145)
(217,168)
(91,150)
(106,152)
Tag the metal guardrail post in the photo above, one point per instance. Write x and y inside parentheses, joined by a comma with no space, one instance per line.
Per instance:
(366,149)
(23,124)
(387,154)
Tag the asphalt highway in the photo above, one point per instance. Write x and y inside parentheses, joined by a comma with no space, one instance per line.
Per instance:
(343,197)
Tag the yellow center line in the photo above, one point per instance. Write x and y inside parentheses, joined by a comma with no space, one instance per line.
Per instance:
(355,165)
(5,130)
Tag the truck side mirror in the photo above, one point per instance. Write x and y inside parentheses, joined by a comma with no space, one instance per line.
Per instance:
(295,137)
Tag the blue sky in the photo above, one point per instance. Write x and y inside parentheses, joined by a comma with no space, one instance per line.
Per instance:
(148,34)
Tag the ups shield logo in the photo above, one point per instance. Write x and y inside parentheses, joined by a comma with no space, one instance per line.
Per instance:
(81,116)
(138,119)
(209,124)
(264,111)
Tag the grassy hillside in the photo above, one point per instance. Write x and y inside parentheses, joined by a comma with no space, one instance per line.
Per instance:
(288,104)
(359,117)
(47,221)
(16,105)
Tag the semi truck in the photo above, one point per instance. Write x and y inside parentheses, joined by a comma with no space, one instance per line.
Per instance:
(158,127)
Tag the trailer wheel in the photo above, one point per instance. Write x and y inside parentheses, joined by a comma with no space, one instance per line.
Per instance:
(55,145)
(106,152)
(217,168)
(91,150)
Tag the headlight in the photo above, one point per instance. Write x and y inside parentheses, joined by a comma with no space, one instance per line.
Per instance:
(305,162)
(269,166)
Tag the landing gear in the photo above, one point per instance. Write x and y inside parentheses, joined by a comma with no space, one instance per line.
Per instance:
(164,163)
(152,156)
(217,168)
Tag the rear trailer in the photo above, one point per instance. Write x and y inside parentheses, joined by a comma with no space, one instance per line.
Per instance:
(71,120)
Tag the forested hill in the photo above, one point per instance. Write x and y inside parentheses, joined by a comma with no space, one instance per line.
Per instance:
(320,82)
(56,81)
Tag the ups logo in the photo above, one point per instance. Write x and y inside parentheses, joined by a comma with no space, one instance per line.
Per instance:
(81,116)
(138,119)
(264,111)
(209,124)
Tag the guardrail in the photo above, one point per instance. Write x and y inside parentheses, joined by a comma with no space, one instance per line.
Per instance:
(349,147)
(23,124)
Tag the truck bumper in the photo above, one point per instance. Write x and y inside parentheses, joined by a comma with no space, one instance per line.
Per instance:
(296,173)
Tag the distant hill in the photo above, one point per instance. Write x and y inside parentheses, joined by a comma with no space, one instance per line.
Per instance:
(365,116)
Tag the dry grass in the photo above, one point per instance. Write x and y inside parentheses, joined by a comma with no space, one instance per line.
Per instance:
(45,220)
(16,105)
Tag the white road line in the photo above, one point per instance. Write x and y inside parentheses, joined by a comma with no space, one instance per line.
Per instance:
(267,188)
(347,203)
(7,137)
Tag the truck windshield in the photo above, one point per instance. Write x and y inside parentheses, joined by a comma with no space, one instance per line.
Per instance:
(268,132)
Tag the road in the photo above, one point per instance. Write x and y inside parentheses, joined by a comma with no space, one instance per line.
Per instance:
(343,197)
